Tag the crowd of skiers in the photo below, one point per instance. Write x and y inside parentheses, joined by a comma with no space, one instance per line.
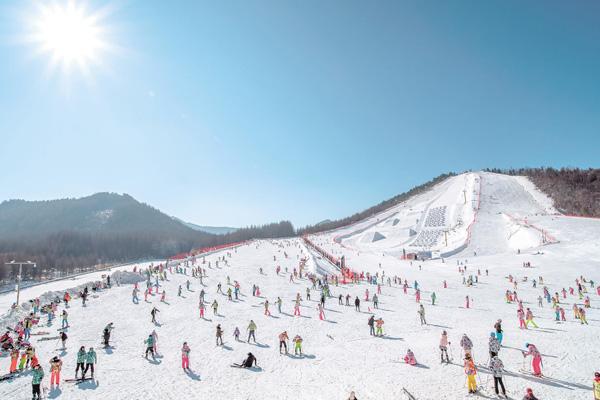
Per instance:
(21,349)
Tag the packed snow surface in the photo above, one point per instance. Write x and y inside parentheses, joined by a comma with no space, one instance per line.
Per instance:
(340,356)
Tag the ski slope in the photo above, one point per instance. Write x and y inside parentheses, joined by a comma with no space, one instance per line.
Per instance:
(340,355)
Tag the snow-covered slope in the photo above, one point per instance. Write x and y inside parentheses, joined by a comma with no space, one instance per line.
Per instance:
(479,212)
(339,354)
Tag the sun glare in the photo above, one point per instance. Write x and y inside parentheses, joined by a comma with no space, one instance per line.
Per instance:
(69,34)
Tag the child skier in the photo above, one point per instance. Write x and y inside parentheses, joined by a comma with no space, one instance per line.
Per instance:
(185,356)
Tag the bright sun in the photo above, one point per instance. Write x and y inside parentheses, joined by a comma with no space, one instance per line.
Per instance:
(69,34)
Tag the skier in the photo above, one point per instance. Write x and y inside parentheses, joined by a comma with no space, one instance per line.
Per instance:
(521,317)
(236,334)
(283,338)
(267,312)
(38,375)
(371,324)
(106,334)
(298,345)
(433,297)
(529,395)
(596,385)
(466,344)
(499,332)
(379,327)
(55,367)
(134,297)
(153,313)
(90,360)
(421,313)
(375,301)
(409,358)
(251,330)
(357,304)
(215,307)
(444,347)
(529,317)
(80,361)
(201,307)
(185,356)
(14,357)
(536,358)
(65,322)
(497,368)
(249,361)
(470,371)
(149,346)
(493,345)
(219,334)
(279,301)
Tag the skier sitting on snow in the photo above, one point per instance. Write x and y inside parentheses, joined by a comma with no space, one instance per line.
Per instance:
(249,361)
(409,358)
(529,395)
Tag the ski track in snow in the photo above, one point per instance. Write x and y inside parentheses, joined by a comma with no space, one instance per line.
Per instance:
(340,356)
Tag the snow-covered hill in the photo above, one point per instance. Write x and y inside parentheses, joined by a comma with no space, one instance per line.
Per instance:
(339,354)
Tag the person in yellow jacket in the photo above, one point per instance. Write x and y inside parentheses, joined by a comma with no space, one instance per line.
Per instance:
(471,371)
(597,386)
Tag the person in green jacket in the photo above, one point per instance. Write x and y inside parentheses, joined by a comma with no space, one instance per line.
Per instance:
(80,361)
(38,375)
(149,346)
(90,360)
(433,297)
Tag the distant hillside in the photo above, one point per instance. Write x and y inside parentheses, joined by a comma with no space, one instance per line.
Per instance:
(70,234)
(384,205)
(574,191)
(215,230)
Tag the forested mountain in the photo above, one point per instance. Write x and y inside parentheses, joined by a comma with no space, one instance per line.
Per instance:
(71,234)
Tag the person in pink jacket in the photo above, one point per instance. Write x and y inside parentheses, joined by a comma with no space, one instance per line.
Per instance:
(185,356)
(536,362)
(444,347)
(409,358)
(521,316)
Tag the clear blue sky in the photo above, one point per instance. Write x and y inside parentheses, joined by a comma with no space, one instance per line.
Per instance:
(240,112)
